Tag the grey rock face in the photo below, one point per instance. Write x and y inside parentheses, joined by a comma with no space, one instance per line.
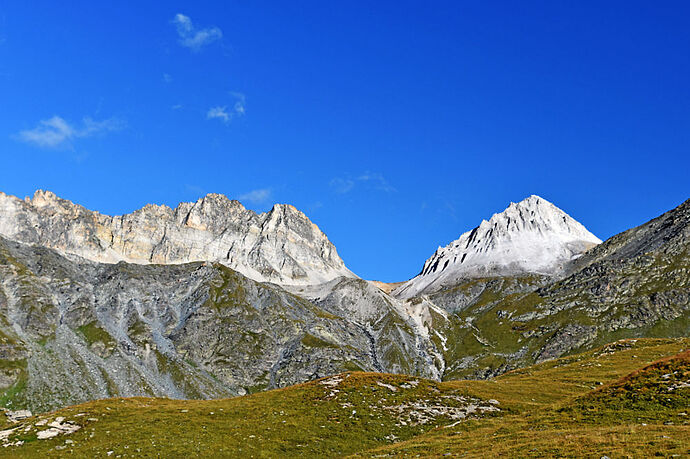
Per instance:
(398,335)
(472,292)
(280,246)
(667,234)
(73,330)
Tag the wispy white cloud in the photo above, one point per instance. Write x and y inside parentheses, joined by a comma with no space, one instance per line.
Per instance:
(192,37)
(225,114)
(256,196)
(220,113)
(315,206)
(342,185)
(195,190)
(375,180)
(92,127)
(167,78)
(50,133)
(239,103)
(56,132)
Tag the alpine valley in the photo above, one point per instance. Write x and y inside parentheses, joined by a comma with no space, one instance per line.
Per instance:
(206,307)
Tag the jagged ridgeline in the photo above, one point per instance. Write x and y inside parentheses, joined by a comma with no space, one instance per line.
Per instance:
(211,300)
(280,246)
(74,327)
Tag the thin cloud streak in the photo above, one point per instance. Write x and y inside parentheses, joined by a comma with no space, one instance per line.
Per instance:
(375,180)
(379,180)
(56,132)
(239,104)
(256,196)
(341,185)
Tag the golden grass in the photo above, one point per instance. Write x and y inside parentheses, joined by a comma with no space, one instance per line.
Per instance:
(309,420)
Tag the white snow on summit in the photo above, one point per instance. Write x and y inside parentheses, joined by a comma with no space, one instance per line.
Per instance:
(532,236)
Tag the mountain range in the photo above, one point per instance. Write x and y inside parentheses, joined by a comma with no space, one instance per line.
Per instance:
(211,299)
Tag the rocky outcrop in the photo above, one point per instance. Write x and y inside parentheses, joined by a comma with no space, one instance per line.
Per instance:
(398,331)
(280,246)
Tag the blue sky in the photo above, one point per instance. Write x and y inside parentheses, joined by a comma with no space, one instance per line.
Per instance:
(395,126)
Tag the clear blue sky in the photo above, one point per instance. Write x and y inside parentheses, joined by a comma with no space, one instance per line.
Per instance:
(395,126)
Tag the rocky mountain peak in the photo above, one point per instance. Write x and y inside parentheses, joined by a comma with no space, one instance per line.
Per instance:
(218,201)
(531,236)
(281,246)
(535,214)
(44,198)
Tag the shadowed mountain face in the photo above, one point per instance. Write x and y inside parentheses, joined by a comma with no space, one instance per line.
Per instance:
(280,246)
(73,329)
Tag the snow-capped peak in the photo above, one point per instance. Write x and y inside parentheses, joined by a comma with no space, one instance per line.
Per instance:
(531,236)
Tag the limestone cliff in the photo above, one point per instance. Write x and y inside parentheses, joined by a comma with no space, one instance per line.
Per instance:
(281,246)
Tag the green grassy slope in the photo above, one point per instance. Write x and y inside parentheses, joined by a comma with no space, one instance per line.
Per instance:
(372,414)
(643,414)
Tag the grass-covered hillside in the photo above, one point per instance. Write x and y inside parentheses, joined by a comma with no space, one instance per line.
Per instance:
(642,414)
(571,406)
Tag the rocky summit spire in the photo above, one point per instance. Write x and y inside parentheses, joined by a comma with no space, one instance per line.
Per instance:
(281,246)
(532,236)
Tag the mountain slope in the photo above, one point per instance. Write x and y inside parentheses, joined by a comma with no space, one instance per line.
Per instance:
(73,330)
(659,392)
(398,329)
(532,236)
(667,234)
(636,284)
(280,246)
